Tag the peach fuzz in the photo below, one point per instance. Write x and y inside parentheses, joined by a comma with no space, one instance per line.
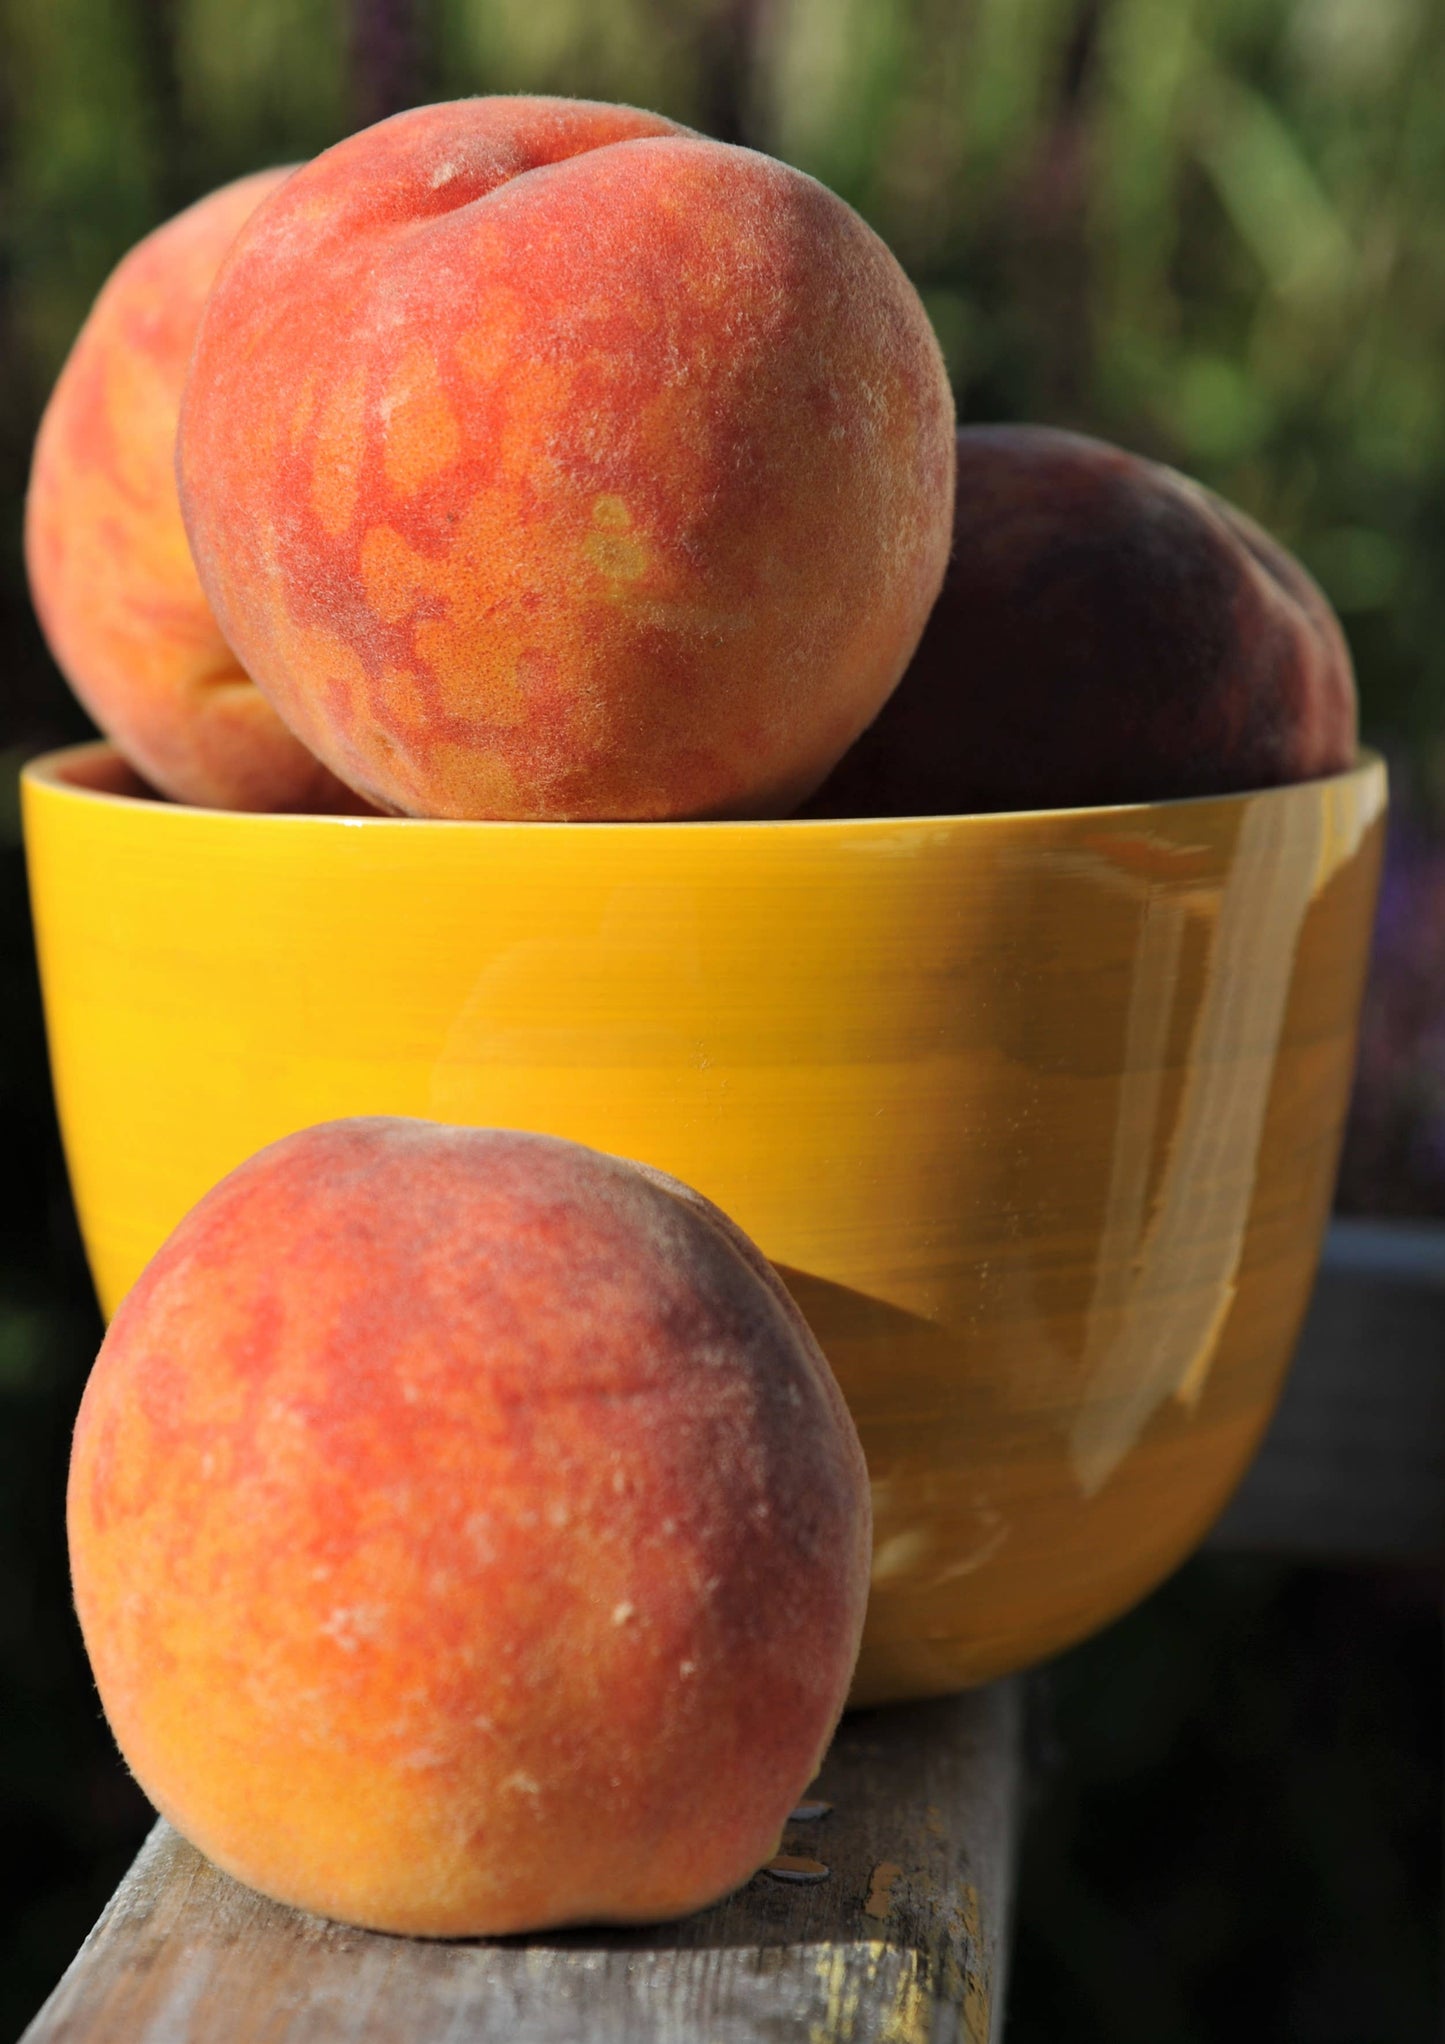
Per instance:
(110,568)
(544,459)
(1108,631)
(467,1534)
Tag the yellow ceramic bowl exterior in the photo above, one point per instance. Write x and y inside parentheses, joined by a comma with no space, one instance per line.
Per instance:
(1038,1114)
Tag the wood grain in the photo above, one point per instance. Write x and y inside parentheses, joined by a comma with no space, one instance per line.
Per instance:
(904,1943)
(1353,1466)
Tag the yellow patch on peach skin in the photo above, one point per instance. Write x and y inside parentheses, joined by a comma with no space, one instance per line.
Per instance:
(489,783)
(616,555)
(337,454)
(394,574)
(611,546)
(488,567)
(535,396)
(493,691)
(623,558)
(486,352)
(420,434)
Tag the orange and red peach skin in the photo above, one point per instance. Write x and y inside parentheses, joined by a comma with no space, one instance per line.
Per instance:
(467,1534)
(590,468)
(110,568)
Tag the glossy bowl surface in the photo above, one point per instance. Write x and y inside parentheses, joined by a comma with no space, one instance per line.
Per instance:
(1038,1114)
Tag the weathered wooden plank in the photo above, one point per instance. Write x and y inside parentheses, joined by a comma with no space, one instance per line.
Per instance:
(905,1941)
(1353,1466)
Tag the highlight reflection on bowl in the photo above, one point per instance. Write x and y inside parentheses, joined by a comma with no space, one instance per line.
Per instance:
(1039,1114)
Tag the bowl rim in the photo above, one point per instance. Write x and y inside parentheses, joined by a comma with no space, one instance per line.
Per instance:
(48,771)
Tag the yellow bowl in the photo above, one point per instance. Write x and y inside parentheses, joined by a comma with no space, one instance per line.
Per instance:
(1038,1114)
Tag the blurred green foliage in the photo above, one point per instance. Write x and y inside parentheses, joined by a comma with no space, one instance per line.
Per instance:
(1213,230)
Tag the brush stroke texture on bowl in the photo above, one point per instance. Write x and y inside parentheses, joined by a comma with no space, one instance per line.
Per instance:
(1039,1114)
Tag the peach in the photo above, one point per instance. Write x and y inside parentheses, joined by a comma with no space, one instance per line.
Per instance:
(544,459)
(467,1533)
(110,569)
(1108,631)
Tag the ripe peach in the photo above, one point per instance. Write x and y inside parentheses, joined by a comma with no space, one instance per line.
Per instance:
(1108,631)
(544,459)
(110,569)
(467,1533)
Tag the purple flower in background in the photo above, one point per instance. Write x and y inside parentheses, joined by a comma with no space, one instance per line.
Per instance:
(1394,1159)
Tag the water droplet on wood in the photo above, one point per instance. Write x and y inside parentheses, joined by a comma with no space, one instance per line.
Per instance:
(809,1812)
(788,1867)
